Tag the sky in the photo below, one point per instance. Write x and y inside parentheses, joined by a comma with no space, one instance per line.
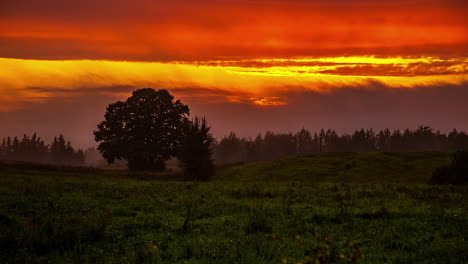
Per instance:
(247,65)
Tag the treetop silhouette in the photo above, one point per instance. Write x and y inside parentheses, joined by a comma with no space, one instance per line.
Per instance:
(145,130)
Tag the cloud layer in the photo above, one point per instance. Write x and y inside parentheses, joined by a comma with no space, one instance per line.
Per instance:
(180,30)
(259,81)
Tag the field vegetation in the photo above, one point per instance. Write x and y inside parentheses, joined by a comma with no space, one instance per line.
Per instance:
(329,208)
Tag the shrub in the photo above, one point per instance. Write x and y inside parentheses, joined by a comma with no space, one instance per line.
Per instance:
(455,173)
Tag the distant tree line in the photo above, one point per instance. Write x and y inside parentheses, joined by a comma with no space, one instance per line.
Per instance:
(270,146)
(33,149)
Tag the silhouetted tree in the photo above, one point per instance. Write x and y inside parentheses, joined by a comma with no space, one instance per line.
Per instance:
(457,140)
(58,150)
(254,148)
(383,140)
(315,143)
(303,142)
(332,141)
(3,148)
(146,129)
(9,147)
(15,149)
(62,153)
(321,138)
(195,153)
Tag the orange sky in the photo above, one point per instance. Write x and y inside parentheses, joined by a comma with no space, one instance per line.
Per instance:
(212,51)
(244,80)
(168,30)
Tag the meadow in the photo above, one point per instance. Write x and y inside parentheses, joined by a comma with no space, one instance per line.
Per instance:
(329,208)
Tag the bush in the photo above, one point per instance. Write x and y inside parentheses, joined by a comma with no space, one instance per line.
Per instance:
(455,173)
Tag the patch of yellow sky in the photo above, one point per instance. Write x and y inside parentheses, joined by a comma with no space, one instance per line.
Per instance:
(261,84)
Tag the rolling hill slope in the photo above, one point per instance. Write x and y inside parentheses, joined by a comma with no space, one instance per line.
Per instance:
(361,167)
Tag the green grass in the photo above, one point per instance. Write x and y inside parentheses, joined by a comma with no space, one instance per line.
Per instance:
(74,216)
(362,167)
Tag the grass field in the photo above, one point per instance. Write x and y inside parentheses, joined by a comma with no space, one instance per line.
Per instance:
(332,208)
(361,167)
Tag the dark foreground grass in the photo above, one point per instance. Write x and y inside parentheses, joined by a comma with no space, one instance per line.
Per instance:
(78,217)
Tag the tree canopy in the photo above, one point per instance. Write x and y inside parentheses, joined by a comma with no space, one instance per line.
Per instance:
(145,130)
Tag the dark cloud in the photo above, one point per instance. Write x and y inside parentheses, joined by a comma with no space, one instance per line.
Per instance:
(411,69)
(57,91)
(72,49)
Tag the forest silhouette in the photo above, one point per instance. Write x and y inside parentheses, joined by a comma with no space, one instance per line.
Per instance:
(33,149)
(149,128)
(233,149)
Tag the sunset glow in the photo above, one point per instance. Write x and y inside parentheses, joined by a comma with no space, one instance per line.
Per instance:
(264,78)
(263,54)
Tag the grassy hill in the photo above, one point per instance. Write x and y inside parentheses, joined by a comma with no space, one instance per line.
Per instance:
(361,167)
